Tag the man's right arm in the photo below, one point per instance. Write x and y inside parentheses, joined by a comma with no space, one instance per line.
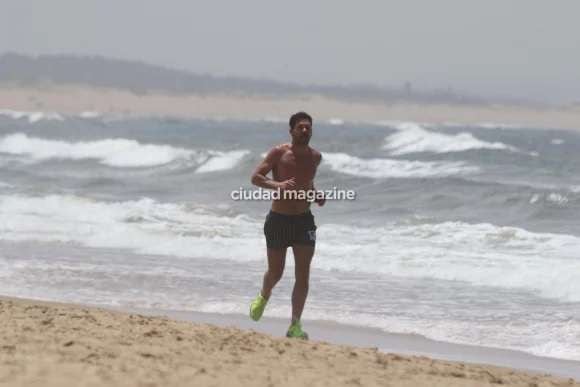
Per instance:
(259,177)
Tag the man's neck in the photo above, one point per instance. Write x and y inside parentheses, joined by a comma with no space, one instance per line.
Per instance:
(300,148)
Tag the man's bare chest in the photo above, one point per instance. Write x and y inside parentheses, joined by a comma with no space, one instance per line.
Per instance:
(303,166)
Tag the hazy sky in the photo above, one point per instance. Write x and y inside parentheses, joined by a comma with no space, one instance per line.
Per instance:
(522,48)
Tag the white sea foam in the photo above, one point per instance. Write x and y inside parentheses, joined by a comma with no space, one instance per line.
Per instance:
(143,226)
(335,121)
(32,117)
(221,161)
(117,152)
(479,254)
(391,123)
(452,124)
(481,125)
(557,141)
(389,168)
(90,114)
(549,339)
(496,125)
(412,138)
(275,120)
(557,198)
(553,198)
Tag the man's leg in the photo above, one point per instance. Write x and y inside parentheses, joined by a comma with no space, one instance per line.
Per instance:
(302,258)
(276,262)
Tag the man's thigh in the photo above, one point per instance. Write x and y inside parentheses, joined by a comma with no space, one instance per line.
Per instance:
(302,259)
(276,259)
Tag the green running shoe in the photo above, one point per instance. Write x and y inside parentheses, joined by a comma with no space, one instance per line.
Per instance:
(257,307)
(295,331)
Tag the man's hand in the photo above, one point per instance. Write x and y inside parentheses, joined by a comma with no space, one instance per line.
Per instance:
(286,184)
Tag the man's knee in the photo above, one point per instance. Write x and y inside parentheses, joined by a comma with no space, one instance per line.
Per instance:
(302,282)
(275,275)
(302,274)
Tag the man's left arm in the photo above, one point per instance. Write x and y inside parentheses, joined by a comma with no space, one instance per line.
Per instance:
(319,196)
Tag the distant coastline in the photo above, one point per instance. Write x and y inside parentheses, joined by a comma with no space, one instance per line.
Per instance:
(143,78)
(70,84)
(75,99)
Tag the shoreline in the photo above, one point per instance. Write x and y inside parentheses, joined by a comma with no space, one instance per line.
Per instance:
(76,99)
(111,340)
(386,342)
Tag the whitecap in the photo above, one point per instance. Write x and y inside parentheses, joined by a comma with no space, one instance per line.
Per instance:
(390,168)
(221,161)
(119,152)
(89,114)
(335,121)
(32,117)
(412,138)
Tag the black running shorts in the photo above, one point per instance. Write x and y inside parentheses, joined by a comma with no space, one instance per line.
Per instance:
(282,230)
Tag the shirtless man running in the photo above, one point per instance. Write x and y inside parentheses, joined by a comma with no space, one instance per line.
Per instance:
(290,222)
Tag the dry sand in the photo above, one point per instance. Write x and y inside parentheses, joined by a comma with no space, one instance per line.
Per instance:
(49,344)
(76,99)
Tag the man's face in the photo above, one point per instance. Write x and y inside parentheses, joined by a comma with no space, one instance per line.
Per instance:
(301,132)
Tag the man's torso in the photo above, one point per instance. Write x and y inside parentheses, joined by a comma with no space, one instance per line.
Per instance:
(300,164)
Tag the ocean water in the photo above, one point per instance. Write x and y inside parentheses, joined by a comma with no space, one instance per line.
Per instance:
(462,234)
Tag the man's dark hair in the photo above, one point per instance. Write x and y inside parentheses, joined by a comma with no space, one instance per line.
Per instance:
(296,118)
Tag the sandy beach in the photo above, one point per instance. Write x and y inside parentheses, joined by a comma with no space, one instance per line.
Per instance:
(71,99)
(50,344)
